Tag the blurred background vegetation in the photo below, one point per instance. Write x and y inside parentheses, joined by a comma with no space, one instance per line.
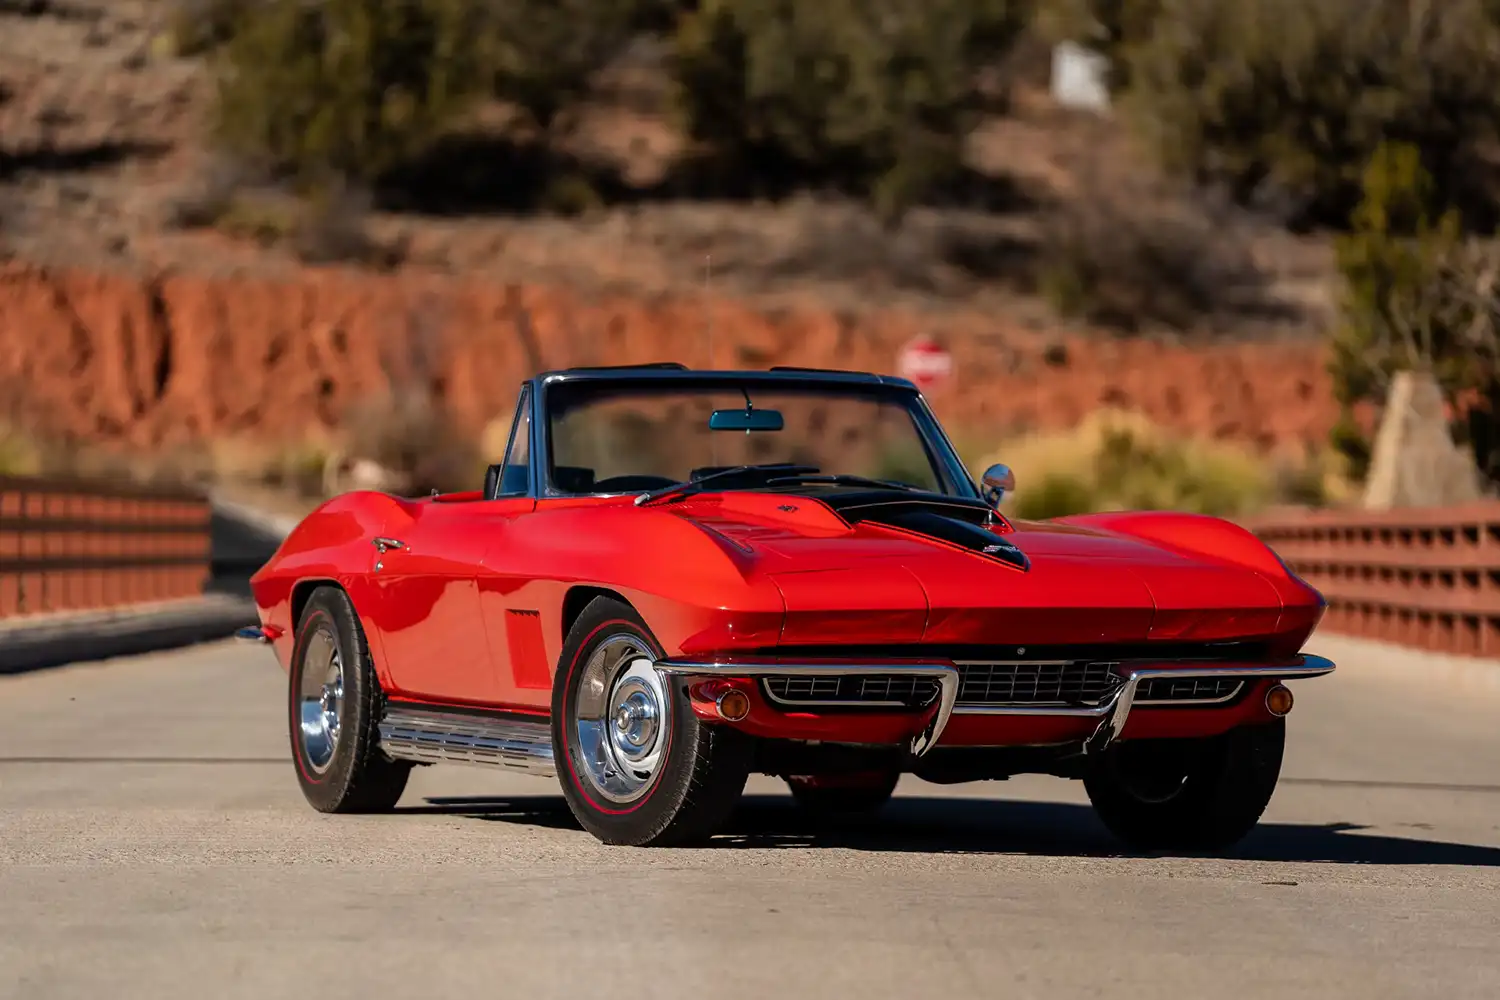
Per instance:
(1375,122)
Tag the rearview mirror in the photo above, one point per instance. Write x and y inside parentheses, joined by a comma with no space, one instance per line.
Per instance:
(998,481)
(746,420)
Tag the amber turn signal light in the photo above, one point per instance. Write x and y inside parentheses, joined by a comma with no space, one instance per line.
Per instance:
(732,705)
(1279,700)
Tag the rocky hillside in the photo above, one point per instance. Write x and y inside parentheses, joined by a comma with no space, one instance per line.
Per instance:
(125,319)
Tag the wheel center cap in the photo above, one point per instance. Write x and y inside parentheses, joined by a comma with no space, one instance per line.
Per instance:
(635,721)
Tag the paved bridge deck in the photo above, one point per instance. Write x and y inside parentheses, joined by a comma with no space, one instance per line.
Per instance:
(153,843)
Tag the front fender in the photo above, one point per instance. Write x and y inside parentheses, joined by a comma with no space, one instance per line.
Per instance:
(1216,539)
(1199,535)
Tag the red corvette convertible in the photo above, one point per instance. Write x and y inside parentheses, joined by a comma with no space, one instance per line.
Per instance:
(676,578)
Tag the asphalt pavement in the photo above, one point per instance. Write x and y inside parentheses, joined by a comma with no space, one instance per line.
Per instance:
(153,843)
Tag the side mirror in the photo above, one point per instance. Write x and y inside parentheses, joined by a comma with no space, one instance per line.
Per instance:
(998,481)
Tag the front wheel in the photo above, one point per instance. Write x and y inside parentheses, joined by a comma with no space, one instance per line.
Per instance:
(334,713)
(636,765)
(1188,795)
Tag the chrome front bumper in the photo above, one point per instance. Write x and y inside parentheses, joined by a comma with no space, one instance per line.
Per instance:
(1113,712)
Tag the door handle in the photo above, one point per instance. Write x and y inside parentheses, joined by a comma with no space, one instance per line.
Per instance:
(386,544)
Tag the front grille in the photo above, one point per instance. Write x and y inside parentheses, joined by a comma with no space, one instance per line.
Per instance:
(1183,689)
(989,676)
(867,689)
(1059,683)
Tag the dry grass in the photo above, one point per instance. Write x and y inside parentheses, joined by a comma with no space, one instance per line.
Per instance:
(1128,253)
(19,455)
(1117,460)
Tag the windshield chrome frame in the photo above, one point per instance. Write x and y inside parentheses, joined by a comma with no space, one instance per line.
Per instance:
(934,439)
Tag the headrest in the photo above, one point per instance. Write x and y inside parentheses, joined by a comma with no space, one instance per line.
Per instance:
(573,479)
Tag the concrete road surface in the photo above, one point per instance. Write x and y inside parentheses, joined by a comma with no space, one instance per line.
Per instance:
(153,843)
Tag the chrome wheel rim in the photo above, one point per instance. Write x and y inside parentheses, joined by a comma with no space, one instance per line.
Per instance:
(622,719)
(321,699)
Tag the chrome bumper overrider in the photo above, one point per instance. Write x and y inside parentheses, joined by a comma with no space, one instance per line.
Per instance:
(1112,713)
(1116,708)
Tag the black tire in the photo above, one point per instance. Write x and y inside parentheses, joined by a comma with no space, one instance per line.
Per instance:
(702,769)
(1188,795)
(836,798)
(356,777)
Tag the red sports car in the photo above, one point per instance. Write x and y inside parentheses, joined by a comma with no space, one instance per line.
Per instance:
(676,578)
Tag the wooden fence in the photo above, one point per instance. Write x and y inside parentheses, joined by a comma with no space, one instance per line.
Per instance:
(1425,577)
(75,546)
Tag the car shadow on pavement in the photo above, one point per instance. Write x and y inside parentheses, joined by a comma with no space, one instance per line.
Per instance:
(989,826)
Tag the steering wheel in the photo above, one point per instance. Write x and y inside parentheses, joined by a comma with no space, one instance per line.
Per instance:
(631,484)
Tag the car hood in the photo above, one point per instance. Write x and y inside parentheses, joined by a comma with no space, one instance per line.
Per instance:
(918,570)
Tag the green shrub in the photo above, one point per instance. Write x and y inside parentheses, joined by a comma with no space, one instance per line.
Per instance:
(199,26)
(348,87)
(1293,97)
(871,96)
(545,52)
(1418,296)
(1121,461)
(1126,255)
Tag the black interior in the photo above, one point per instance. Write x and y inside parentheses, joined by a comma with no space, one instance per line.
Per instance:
(575,479)
(629,484)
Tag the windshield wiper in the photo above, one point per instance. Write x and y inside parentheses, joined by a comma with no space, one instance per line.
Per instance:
(843,480)
(695,485)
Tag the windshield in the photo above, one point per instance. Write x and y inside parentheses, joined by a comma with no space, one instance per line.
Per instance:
(611,438)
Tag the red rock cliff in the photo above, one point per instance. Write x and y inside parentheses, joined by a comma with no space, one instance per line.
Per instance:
(181,358)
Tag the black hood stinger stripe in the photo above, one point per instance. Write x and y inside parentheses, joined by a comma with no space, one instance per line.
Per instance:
(957,522)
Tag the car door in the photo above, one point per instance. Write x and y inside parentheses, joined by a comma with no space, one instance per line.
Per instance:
(428,583)
(427,598)
(508,592)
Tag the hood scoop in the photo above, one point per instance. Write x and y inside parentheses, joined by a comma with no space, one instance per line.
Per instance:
(957,522)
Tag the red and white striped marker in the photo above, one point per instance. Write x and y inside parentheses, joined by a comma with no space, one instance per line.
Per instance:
(925,362)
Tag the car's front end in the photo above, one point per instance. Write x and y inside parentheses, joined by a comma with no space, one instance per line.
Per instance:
(900,645)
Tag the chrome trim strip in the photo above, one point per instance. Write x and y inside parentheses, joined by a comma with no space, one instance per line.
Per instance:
(944,673)
(848,703)
(1023,663)
(835,702)
(253,633)
(437,736)
(1233,694)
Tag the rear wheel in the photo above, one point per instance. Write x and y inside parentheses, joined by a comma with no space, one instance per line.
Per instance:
(334,713)
(833,795)
(636,766)
(1190,795)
